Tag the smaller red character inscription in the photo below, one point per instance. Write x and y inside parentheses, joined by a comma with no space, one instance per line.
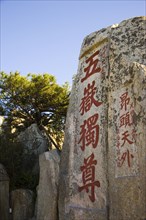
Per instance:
(89,132)
(125,155)
(88,177)
(124,100)
(126,119)
(125,138)
(92,67)
(126,149)
(88,98)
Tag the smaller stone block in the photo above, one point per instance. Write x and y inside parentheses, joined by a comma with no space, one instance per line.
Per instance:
(22,204)
(47,195)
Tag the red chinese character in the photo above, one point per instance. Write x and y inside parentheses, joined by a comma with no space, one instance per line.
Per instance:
(89,132)
(123,158)
(124,100)
(88,177)
(88,98)
(125,138)
(92,67)
(126,119)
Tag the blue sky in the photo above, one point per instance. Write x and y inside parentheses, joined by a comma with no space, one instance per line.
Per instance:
(46,36)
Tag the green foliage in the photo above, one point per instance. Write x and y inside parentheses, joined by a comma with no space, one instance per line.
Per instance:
(25,100)
(34,99)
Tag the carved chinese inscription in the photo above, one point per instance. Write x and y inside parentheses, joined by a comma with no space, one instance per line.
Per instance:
(89,132)
(93,66)
(126,149)
(88,177)
(88,100)
(89,128)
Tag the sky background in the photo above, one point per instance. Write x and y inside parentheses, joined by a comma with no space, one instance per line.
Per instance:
(46,36)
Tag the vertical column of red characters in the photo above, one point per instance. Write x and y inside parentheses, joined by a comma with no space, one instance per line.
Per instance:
(89,130)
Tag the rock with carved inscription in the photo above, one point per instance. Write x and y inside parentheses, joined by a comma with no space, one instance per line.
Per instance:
(83,181)
(127,120)
(102,163)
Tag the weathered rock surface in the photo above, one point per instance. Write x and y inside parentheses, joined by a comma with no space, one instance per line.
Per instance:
(47,193)
(102,172)
(22,202)
(33,140)
(34,143)
(127,120)
(88,104)
(4,194)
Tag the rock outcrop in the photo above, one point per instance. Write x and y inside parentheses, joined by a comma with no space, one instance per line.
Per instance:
(102,172)
(33,139)
(34,144)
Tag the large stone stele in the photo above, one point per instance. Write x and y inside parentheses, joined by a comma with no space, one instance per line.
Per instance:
(47,194)
(103,162)
(4,194)
(22,203)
